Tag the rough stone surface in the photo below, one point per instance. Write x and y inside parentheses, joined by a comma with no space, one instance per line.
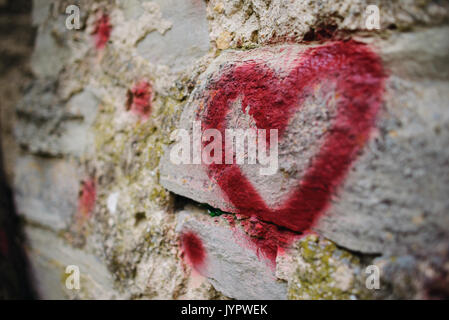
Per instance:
(241,23)
(46,191)
(94,185)
(231,265)
(185,41)
(404,153)
(316,269)
(49,258)
(51,127)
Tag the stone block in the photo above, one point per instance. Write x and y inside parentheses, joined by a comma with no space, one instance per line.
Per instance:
(50,256)
(186,41)
(360,134)
(46,190)
(48,126)
(227,258)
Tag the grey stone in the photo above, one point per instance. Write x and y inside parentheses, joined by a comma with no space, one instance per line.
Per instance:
(41,11)
(393,201)
(231,266)
(250,22)
(49,126)
(51,51)
(395,196)
(46,190)
(50,256)
(185,42)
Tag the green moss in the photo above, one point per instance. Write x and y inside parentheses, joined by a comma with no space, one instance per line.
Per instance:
(318,277)
(213,212)
(250,46)
(160,196)
(127,157)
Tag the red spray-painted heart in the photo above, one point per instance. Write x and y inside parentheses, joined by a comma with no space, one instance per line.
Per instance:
(359,78)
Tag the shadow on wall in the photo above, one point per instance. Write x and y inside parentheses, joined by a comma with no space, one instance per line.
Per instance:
(14,272)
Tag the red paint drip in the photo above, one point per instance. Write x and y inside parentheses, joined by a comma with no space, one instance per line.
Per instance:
(102,31)
(268,239)
(139,99)
(86,202)
(230,219)
(194,249)
(359,78)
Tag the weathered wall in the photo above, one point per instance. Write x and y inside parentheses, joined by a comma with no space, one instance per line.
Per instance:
(363,160)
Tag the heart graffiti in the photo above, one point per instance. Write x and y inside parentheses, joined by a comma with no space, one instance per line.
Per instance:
(359,81)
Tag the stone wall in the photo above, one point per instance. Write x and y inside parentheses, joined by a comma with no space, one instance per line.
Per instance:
(363,173)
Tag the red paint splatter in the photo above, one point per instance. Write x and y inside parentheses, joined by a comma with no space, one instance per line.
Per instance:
(268,239)
(4,247)
(193,247)
(139,99)
(86,202)
(230,219)
(102,31)
(359,78)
